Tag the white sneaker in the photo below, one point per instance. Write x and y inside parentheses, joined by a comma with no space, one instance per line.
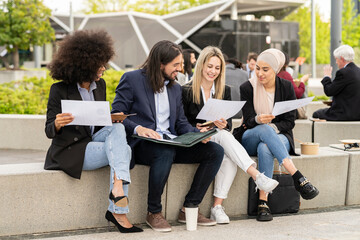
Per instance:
(218,214)
(264,183)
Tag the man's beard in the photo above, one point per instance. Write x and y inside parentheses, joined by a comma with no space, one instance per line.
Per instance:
(193,65)
(167,76)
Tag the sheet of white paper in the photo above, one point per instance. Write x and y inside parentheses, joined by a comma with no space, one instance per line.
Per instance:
(214,109)
(286,106)
(88,113)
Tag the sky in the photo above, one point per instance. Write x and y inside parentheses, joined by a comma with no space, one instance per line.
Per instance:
(63,6)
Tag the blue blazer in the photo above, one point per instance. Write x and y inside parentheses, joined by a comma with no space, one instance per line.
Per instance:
(135,95)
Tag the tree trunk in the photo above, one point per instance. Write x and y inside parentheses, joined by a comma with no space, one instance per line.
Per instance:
(5,61)
(16,58)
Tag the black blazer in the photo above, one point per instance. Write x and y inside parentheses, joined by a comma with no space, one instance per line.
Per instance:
(345,90)
(192,109)
(67,149)
(285,122)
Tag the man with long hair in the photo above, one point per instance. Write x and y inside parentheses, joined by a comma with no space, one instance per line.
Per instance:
(189,62)
(153,94)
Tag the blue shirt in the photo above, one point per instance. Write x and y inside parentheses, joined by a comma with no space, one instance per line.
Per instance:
(87,96)
(162,108)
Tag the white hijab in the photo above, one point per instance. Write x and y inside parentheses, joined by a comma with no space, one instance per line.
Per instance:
(276,59)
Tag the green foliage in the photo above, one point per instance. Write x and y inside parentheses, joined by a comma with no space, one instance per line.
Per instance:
(30,95)
(24,23)
(350,25)
(319,97)
(146,6)
(303,17)
(350,31)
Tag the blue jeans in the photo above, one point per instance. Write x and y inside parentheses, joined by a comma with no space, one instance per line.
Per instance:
(160,157)
(264,142)
(109,147)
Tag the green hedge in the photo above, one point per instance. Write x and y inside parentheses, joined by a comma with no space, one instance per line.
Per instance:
(30,95)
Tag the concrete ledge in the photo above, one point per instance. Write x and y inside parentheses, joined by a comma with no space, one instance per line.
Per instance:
(331,132)
(178,184)
(328,171)
(18,75)
(353,180)
(53,201)
(302,131)
(23,132)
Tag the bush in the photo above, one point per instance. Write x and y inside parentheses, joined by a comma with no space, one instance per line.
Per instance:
(30,95)
(319,97)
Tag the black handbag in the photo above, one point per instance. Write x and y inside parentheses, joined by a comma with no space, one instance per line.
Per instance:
(283,199)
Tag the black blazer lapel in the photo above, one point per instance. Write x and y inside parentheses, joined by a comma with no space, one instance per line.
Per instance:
(73,92)
(172,106)
(99,92)
(201,105)
(277,97)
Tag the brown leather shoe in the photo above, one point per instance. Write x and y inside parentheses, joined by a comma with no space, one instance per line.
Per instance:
(157,222)
(201,221)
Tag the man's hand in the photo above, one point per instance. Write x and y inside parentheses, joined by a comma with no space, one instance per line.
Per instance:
(265,118)
(221,124)
(63,119)
(327,71)
(206,140)
(147,132)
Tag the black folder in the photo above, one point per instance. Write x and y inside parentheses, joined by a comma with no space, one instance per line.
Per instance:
(186,140)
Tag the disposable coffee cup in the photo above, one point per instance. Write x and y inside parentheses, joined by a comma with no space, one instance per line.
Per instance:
(191,215)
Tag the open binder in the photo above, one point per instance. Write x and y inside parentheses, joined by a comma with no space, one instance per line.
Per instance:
(186,140)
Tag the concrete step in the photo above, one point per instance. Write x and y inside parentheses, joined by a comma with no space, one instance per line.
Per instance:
(331,132)
(52,201)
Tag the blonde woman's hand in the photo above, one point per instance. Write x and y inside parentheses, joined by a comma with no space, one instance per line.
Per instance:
(265,118)
(221,124)
(63,119)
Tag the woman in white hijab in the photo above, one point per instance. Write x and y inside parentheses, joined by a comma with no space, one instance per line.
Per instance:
(265,135)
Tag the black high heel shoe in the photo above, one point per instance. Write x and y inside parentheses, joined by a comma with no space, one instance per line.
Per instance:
(110,217)
(121,201)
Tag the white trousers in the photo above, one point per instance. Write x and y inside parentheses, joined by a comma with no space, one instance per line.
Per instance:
(234,155)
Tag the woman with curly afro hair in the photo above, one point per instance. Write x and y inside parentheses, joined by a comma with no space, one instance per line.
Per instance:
(79,64)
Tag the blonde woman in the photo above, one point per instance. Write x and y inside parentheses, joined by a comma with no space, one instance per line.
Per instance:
(209,82)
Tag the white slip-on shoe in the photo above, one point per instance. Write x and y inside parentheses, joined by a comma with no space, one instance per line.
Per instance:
(218,214)
(265,183)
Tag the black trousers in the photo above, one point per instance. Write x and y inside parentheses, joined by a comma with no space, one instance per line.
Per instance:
(160,157)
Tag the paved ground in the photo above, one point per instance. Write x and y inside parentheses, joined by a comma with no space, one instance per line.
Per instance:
(342,224)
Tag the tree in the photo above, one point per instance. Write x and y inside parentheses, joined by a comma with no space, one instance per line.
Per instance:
(146,6)
(24,23)
(303,16)
(350,25)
